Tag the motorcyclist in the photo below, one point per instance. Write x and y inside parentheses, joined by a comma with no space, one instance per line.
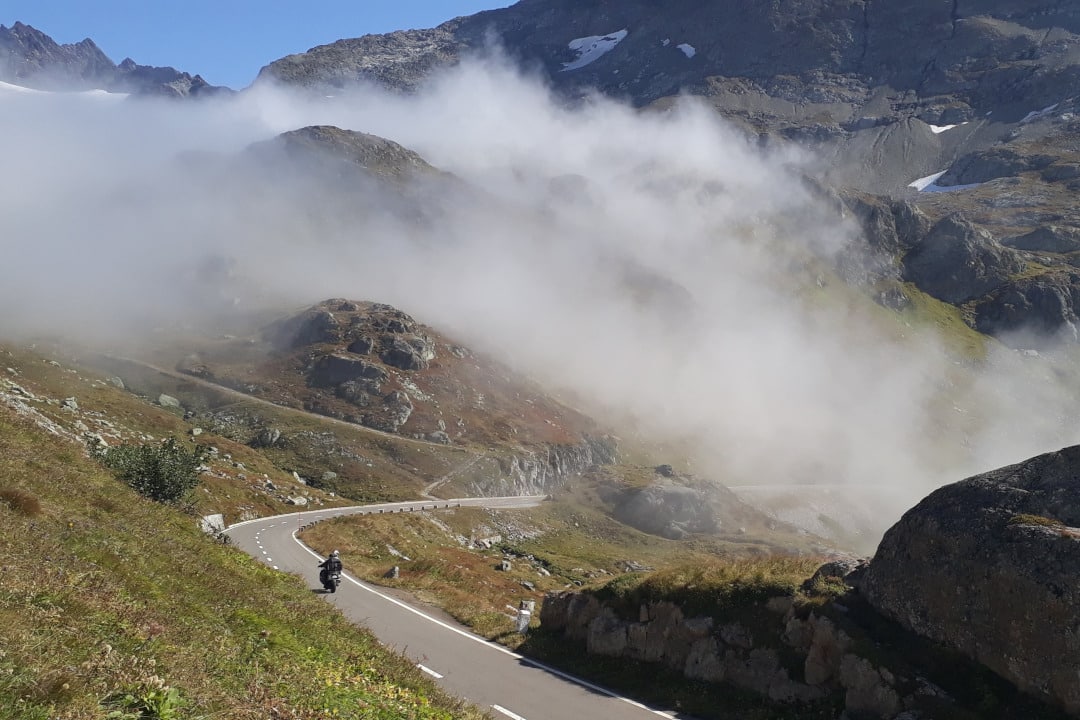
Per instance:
(330,565)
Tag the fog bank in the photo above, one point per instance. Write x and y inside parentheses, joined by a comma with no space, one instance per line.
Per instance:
(659,268)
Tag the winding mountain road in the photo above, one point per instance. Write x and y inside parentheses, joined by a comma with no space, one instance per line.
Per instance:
(468,666)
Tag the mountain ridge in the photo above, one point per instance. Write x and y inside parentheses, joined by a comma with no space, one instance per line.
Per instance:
(30,58)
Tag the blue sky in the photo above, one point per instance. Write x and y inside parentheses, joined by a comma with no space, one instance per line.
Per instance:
(225,41)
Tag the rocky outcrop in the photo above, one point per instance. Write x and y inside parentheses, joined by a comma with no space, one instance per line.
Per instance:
(1051,238)
(399,60)
(331,147)
(989,566)
(986,165)
(407,352)
(333,370)
(957,262)
(371,329)
(396,410)
(1041,308)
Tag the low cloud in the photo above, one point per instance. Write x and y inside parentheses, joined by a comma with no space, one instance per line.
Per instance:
(657,267)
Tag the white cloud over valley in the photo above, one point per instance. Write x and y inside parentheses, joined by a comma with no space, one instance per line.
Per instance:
(658,266)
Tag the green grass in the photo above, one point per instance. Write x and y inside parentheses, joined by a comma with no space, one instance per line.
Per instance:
(111,603)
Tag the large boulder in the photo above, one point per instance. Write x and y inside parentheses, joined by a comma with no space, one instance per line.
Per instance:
(989,566)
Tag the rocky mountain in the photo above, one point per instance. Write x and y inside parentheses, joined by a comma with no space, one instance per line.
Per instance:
(374,365)
(948,128)
(30,58)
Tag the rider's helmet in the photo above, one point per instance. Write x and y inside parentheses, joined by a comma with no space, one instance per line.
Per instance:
(335,553)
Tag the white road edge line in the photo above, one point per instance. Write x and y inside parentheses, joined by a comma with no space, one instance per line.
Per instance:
(429,671)
(507,713)
(489,644)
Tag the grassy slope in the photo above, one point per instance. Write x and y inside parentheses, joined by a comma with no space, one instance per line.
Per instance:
(104,594)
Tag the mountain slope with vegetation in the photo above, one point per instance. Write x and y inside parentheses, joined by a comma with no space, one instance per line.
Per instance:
(111,602)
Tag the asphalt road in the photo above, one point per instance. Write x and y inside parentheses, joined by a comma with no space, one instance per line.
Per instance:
(468,666)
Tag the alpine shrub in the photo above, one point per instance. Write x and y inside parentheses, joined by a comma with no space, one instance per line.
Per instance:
(166,472)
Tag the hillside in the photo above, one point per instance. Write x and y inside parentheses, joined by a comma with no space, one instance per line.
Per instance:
(113,603)
(151,592)
(971,127)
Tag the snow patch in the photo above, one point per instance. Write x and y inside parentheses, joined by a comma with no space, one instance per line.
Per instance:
(666,42)
(687,49)
(938,129)
(592,48)
(929,184)
(8,88)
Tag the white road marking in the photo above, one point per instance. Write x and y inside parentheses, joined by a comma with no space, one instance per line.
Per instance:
(429,671)
(507,713)
(497,648)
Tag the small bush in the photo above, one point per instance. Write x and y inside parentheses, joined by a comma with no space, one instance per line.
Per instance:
(155,702)
(21,501)
(165,472)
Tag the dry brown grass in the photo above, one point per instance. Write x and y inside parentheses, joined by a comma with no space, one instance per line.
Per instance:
(21,501)
(463,582)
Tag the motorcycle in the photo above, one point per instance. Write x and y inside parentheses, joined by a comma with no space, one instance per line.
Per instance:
(330,579)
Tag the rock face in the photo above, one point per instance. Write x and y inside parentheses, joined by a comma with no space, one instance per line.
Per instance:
(702,648)
(970,51)
(31,58)
(989,566)
(538,472)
